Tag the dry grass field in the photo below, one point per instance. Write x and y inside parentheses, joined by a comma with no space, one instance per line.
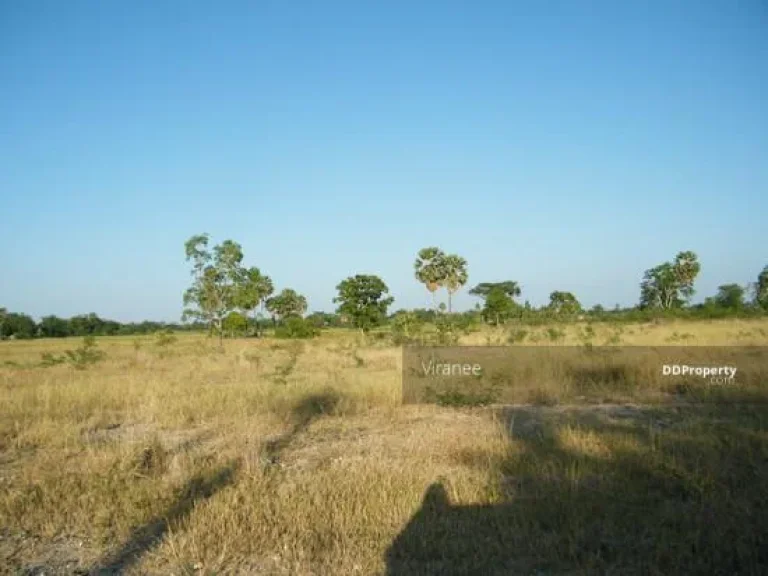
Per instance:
(298,457)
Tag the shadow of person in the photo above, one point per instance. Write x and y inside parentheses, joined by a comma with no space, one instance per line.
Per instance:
(453,540)
(665,490)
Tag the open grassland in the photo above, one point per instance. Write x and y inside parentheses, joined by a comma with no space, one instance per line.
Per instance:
(298,457)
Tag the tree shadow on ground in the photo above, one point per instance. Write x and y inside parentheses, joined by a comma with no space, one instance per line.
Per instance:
(639,491)
(204,486)
(307,410)
(143,539)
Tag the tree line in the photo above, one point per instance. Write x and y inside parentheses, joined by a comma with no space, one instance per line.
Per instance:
(227,297)
(223,292)
(22,326)
(665,290)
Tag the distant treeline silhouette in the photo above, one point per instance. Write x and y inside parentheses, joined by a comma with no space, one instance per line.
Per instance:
(22,326)
(15,325)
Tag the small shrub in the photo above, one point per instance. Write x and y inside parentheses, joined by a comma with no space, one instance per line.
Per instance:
(459,398)
(49,359)
(614,339)
(588,333)
(554,334)
(406,328)
(517,335)
(148,460)
(296,328)
(447,332)
(87,354)
(675,337)
(165,338)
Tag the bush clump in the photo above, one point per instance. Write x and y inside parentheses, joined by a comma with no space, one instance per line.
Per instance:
(79,358)
(87,354)
(296,328)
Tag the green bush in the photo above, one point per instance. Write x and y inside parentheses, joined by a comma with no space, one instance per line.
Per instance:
(87,354)
(517,335)
(406,328)
(447,332)
(49,359)
(296,327)
(554,334)
(164,338)
(460,398)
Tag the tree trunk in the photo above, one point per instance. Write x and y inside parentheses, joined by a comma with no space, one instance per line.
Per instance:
(450,308)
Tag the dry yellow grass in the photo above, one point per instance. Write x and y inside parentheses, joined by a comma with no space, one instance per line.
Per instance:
(286,457)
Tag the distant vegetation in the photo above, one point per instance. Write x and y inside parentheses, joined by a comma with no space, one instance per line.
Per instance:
(22,326)
(229,299)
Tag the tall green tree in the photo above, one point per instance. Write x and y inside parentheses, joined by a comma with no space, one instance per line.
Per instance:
(499,306)
(54,327)
(509,287)
(564,303)
(670,285)
(761,289)
(287,304)
(364,299)
(730,296)
(429,269)
(15,325)
(235,324)
(216,281)
(454,276)
(85,324)
(254,289)
(498,300)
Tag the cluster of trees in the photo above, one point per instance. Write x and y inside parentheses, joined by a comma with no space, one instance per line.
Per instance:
(224,294)
(665,289)
(499,304)
(22,326)
(228,298)
(669,286)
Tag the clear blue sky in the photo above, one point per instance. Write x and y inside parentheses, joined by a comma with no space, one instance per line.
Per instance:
(567,145)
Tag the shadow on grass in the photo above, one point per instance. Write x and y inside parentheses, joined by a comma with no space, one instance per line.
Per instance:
(679,490)
(204,486)
(302,415)
(146,537)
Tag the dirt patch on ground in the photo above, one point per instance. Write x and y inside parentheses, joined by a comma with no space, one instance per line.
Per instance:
(527,422)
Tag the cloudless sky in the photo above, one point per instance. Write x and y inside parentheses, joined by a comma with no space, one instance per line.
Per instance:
(566,145)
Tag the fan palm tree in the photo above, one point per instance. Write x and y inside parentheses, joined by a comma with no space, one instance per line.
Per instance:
(454,275)
(429,269)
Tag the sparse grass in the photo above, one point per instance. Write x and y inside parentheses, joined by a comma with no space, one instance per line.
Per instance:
(297,457)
